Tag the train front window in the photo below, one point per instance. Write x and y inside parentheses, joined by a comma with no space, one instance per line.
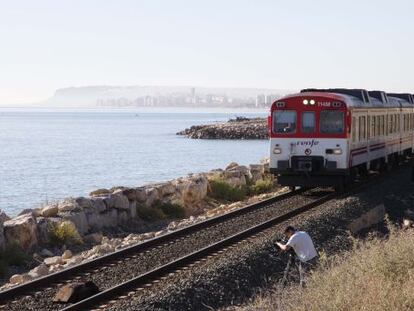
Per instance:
(331,122)
(284,121)
(308,122)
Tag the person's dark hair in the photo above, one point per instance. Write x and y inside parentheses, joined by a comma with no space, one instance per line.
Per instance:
(290,229)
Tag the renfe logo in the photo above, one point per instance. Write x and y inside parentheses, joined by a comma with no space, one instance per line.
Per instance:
(309,143)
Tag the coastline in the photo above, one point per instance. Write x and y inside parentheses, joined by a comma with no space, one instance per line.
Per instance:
(93,220)
(238,128)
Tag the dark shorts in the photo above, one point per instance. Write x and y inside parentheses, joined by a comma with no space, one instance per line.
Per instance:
(310,264)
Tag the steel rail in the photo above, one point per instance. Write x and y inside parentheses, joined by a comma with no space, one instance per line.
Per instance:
(190,258)
(172,266)
(67,273)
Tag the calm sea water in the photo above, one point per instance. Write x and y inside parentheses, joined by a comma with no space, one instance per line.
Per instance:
(48,154)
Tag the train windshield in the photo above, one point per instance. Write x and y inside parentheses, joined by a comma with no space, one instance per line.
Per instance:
(331,122)
(308,122)
(284,121)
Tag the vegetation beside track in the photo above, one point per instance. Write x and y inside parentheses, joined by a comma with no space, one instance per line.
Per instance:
(377,274)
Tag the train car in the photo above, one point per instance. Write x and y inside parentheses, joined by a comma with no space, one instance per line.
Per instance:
(325,137)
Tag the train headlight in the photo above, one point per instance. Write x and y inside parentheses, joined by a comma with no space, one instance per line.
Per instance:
(277,150)
(337,151)
(305,102)
(312,102)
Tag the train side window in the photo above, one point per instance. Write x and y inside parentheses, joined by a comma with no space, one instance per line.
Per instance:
(374,133)
(368,127)
(354,127)
(382,125)
(308,122)
(362,127)
(372,126)
(377,126)
(394,123)
(398,123)
(389,124)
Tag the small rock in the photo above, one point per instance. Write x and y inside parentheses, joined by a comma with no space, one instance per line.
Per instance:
(93,238)
(16,279)
(407,223)
(74,260)
(46,253)
(75,292)
(100,193)
(56,260)
(50,211)
(39,271)
(67,254)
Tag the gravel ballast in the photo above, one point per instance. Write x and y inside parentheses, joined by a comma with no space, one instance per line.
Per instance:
(233,277)
(109,276)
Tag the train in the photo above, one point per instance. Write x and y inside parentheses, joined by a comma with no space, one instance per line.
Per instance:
(327,137)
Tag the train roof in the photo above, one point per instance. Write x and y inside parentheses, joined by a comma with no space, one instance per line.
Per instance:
(361,97)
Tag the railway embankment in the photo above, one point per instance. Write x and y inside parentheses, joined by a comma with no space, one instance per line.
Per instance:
(73,230)
(239,128)
(381,267)
(231,278)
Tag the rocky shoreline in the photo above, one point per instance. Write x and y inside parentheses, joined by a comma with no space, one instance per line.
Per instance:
(239,128)
(136,212)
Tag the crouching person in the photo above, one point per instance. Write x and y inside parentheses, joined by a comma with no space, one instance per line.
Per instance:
(304,249)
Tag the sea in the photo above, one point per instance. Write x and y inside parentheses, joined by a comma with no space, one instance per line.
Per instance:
(50,154)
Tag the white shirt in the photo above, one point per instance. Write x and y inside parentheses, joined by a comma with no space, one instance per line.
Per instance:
(303,246)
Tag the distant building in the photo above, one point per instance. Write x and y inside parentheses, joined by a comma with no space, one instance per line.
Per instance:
(193,96)
(260,100)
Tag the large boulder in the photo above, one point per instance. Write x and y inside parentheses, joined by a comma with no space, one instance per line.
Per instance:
(84,203)
(109,219)
(117,200)
(130,193)
(95,221)
(193,190)
(100,193)
(141,194)
(78,219)
(153,195)
(21,230)
(165,189)
(98,205)
(68,205)
(257,171)
(49,211)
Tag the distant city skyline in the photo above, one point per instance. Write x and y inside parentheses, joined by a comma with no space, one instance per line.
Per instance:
(47,45)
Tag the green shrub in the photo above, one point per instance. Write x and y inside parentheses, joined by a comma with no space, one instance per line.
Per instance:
(64,233)
(171,210)
(262,186)
(150,213)
(222,190)
(12,255)
(160,210)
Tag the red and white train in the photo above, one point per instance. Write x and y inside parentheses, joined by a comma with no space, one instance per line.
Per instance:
(324,137)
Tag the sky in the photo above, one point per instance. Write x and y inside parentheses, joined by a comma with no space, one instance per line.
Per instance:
(46,45)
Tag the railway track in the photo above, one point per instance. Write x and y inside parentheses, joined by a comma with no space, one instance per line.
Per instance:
(149,259)
(110,298)
(129,288)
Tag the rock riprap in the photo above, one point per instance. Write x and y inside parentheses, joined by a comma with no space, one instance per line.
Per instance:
(118,207)
(239,128)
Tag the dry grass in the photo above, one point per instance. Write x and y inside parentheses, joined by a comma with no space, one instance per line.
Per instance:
(262,186)
(375,275)
(222,190)
(64,233)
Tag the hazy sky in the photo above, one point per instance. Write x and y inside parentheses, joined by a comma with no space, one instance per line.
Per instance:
(45,45)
